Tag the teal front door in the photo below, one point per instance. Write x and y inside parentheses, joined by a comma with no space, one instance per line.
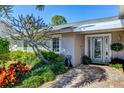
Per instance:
(99,49)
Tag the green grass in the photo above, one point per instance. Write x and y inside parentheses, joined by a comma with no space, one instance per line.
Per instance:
(118,66)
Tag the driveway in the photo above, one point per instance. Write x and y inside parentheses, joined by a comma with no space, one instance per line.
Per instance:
(88,76)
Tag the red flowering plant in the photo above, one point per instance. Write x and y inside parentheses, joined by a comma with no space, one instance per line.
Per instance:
(7,77)
(14,74)
(21,69)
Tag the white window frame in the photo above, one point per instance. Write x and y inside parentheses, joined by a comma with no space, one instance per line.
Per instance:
(60,42)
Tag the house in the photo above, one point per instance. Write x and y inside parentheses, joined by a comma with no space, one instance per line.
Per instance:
(14,45)
(92,38)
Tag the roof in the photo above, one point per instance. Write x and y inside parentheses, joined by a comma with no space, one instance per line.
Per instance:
(77,24)
(83,25)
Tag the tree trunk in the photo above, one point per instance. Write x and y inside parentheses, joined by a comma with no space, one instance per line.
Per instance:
(38,53)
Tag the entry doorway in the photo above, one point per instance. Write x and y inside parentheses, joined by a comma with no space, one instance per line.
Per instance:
(97,47)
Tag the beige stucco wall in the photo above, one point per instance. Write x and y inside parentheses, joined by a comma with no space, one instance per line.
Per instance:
(68,45)
(78,48)
(74,45)
(118,37)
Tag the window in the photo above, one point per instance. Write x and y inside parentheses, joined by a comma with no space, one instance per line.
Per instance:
(55,44)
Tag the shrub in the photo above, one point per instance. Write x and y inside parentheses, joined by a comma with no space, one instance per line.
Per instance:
(44,72)
(52,56)
(116,65)
(117,60)
(58,67)
(47,75)
(15,73)
(25,57)
(32,82)
(116,47)
(4,49)
(2,63)
(30,58)
(39,76)
(39,70)
(21,70)
(86,60)
(21,67)
(7,78)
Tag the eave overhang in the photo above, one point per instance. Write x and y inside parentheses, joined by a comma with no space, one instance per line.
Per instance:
(101,26)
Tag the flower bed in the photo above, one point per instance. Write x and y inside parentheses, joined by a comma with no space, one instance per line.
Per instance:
(27,68)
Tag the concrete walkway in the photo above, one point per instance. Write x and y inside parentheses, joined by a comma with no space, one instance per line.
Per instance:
(88,76)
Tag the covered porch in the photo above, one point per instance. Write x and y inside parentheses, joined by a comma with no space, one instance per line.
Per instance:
(97,45)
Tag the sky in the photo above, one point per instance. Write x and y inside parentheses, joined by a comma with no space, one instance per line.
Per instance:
(72,13)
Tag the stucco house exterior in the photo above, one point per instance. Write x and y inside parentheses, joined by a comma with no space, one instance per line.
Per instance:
(92,38)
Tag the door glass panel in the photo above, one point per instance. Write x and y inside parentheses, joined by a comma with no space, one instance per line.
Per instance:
(106,48)
(98,48)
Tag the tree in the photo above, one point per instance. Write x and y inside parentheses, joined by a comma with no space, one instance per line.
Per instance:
(58,20)
(5,11)
(40,7)
(32,30)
